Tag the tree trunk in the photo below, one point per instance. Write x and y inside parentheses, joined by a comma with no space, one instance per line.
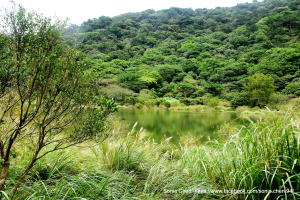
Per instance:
(4,173)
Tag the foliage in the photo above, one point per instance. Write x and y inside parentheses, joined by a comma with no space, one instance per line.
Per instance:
(147,94)
(187,89)
(211,102)
(292,88)
(240,99)
(277,100)
(261,139)
(170,99)
(168,71)
(166,103)
(116,92)
(44,92)
(169,94)
(189,101)
(151,103)
(127,159)
(214,49)
(260,87)
(138,105)
(214,88)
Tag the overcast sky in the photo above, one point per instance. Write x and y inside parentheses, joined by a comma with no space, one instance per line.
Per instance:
(79,11)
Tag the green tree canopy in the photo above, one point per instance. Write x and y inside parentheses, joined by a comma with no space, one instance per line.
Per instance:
(187,89)
(260,87)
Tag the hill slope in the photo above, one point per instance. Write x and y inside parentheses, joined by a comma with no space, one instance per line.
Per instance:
(183,52)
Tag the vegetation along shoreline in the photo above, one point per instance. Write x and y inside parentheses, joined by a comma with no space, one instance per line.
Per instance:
(61,85)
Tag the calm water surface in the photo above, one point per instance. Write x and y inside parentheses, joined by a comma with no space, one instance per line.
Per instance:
(165,122)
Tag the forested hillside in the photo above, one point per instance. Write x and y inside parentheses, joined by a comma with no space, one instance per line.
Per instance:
(192,54)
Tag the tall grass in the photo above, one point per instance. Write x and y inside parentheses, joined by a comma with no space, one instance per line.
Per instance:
(263,156)
(125,165)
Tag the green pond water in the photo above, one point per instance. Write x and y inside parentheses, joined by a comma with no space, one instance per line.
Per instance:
(171,123)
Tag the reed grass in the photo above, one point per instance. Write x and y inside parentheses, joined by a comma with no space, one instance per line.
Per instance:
(125,165)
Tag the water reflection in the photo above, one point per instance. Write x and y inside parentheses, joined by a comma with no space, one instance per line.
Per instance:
(165,122)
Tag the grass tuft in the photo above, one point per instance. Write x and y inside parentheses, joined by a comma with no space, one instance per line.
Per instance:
(125,165)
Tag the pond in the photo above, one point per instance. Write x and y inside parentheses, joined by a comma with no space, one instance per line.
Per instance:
(171,123)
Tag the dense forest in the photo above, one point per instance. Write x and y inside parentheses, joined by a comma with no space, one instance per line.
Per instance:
(196,54)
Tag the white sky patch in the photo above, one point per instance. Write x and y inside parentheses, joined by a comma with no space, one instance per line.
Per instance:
(79,11)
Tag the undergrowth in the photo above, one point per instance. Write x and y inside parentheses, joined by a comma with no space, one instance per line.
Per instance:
(262,156)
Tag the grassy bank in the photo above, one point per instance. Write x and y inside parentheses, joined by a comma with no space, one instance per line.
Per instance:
(216,105)
(263,156)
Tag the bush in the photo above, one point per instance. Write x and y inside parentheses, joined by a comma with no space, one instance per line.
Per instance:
(292,88)
(242,109)
(147,94)
(117,92)
(134,100)
(189,101)
(225,103)
(295,102)
(170,99)
(151,103)
(141,100)
(256,109)
(175,104)
(240,99)
(169,94)
(211,102)
(138,106)
(198,93)
(277,99)
(228,96)
(167,104)
(186,101)
(260,87)
(131,100)
(197,101)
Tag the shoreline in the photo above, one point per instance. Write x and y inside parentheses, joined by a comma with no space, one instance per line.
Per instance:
(205,109)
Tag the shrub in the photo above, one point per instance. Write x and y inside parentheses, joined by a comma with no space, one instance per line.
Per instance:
(138,106)
(211,102)
(295,102)
(141,100)
(277,99)
(213,88)
(151,103)
(169,94)
(161,106)
(167,104)
(131,100)
(242,109)
(178,95)
(189,101)
(240,99)
(185,101)
(170,99)
(44,91)
(256,109)
(225,103)
(260,87)
(198,93)
(175,104)
(292,88)
(146,94)
(197,101)
(228,96)
(117,92)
